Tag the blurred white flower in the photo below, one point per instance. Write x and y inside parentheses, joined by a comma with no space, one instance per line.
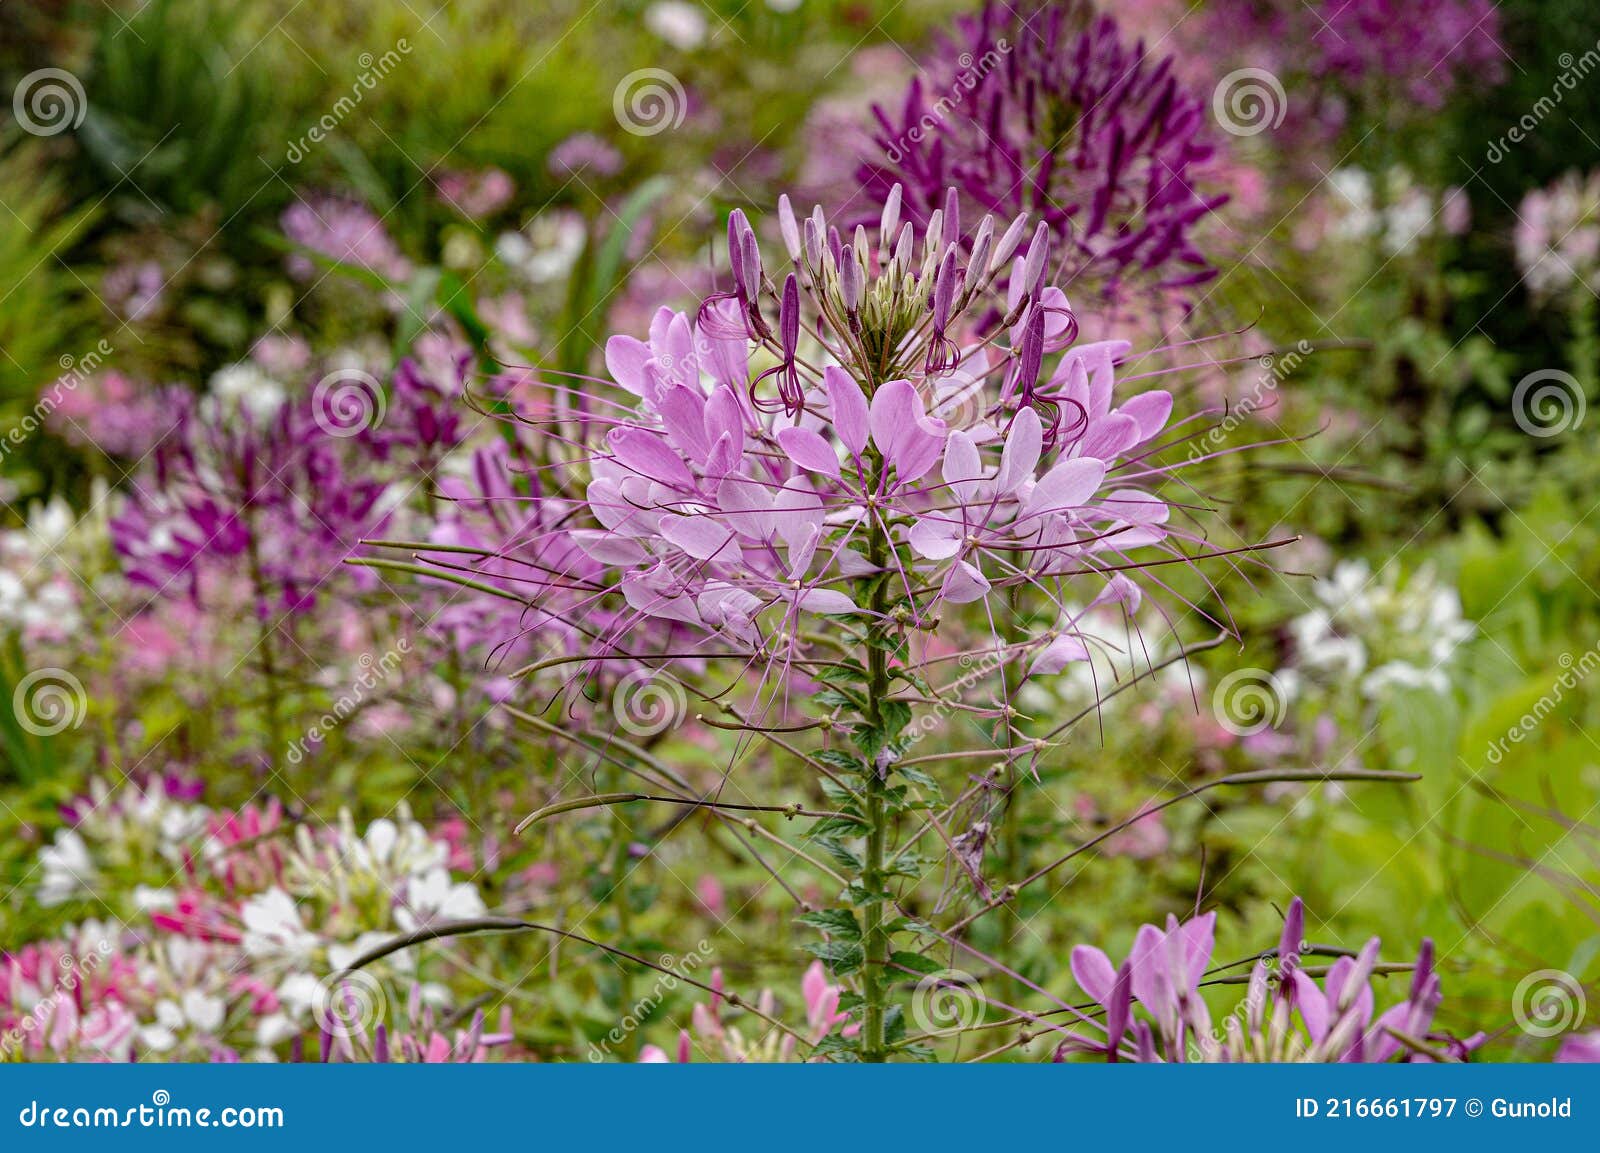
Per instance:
(679,23)
(67,867)
(1405,630)
(547,249)
(432,897)
(272,928)
(246,387)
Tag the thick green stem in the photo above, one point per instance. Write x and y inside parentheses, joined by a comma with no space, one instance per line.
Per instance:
(875,976)
(875,971)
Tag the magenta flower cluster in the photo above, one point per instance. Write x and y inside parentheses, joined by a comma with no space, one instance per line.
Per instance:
(1286,1015)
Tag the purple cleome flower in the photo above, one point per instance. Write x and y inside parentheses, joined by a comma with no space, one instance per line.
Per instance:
(1045,108)
(1286,1015)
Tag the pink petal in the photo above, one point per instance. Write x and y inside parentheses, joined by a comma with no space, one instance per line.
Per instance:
(1199,938)
(1150,410)
(964,584)
(1057,655)
(796,511)
(608,548)
(746,507)
(1094,972)
(1312,1004)
(1020,456)
(701,537)
(648,454)
(909,440)
(1152,984)
(825,601)
(1135,507)
(936,537)
(683,415)
(626,357)
(809,451)
(1056,318)
(813,987)
(962,466)
(652,602)
(1067,486)
(1109,437)
(848,404)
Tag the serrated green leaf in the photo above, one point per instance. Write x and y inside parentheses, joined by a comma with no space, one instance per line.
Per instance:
(915,962)
(835,827)
(894,1025)
(842,957)
(840,922)
(842,856)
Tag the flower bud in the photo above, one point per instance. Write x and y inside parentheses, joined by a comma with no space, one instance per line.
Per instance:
(787,225)
(890,220)
(1008,243)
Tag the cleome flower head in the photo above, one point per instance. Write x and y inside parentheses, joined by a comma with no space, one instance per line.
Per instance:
(1046,108)
(800,436)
